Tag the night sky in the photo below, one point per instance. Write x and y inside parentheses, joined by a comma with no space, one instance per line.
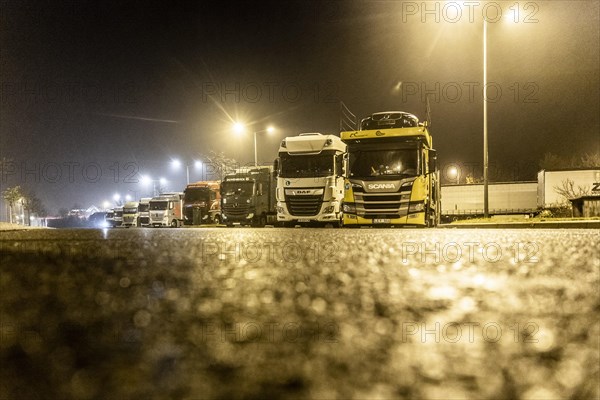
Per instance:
(89,88)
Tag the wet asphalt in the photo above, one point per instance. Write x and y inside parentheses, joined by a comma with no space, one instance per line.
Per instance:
(216,313)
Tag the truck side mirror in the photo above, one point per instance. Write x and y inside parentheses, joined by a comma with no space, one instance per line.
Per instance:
(276,167)
(432,161)
(345,165)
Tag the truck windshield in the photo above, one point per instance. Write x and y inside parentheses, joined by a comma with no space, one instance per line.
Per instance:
(196,195)
(130,210)
(159,205)
(370,163)
(303,166)
(143,207)
(237,188)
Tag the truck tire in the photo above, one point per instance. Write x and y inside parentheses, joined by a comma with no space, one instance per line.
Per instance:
(431,219)
(174,224)
(262,221)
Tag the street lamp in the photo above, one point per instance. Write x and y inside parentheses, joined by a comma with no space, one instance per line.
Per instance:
(239,128)
(176,164)
(269,130)
(146,180)
(486,211)
(485,118)
(455,172)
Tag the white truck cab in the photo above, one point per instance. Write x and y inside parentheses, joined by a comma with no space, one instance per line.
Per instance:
(167,210)
(130,214)
(310,180)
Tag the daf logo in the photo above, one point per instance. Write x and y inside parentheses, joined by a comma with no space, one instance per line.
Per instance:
(375,186)
(303,191)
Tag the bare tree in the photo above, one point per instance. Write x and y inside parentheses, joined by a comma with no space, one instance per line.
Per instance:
(218,165)
(34,206)
(12,195)
(569,191)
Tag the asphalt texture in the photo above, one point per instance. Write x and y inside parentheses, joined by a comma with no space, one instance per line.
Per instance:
(218,313)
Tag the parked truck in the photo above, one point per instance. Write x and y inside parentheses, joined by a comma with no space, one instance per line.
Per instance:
(202,203)
(118,217)
(167,210)
(248,197)
(130,214)
(110,218)
(509,198)
(393,176)
(310,173)
(144,211)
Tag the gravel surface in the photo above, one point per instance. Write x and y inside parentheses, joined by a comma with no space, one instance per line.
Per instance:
(299,313)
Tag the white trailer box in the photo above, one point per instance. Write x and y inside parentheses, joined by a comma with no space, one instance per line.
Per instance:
(584,180)
(503,198)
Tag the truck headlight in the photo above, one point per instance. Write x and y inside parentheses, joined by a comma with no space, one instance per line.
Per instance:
(280,209)
(349,208)
(328,210)
(416,207)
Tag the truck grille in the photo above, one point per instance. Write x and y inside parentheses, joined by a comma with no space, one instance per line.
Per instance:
(304,206)
(382,205)
(233,211)
(128,220)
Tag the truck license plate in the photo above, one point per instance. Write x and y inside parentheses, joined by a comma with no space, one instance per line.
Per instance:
(381,221)
(303,220)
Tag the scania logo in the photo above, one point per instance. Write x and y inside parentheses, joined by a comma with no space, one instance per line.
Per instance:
(375,186)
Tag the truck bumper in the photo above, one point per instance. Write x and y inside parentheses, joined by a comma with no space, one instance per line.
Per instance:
(414,219)
(323,217)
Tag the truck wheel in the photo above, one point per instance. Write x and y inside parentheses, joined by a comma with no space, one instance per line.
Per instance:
(174,223)
(431,219)
(262,221)
(217,219)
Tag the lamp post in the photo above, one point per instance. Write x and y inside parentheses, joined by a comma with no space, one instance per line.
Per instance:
(268,130)
(486,212)
(239,128)
(146,180)
(176,163)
